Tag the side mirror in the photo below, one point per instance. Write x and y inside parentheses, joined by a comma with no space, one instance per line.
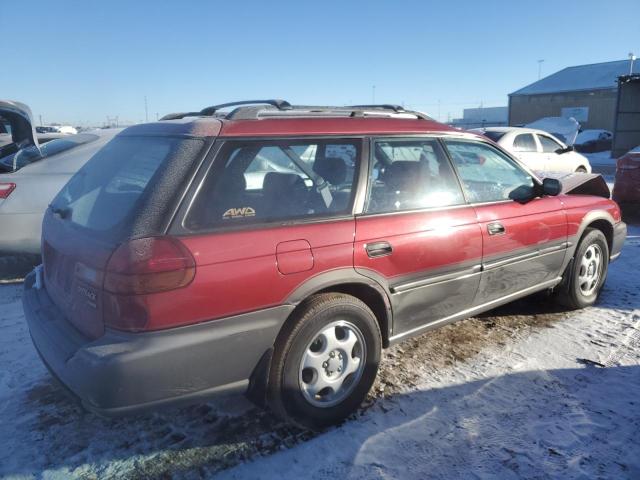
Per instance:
(569,148)
(522,194)
(551,187)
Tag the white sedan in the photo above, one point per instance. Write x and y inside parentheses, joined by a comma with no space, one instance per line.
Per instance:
(32,174)
(538,150)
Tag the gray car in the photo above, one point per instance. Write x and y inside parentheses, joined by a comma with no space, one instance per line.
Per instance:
(32,174)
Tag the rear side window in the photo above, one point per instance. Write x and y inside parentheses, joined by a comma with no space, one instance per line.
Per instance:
(524,143)
(487,175)
(267,180)
(106,189)
(411,174)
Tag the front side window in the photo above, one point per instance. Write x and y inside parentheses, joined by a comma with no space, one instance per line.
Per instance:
(524,143)
(487,174)
(411,174)
(270,180)
(548,145)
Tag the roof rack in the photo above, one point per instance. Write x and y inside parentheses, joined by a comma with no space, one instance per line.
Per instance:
(254,109)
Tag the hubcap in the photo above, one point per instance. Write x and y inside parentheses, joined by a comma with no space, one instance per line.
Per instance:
(590,270)
(332,364)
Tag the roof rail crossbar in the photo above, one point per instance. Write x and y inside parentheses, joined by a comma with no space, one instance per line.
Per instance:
(381,106)
(179,115)
(395,108)
(279,104)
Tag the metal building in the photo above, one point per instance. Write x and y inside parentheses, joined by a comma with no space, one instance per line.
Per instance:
(626,134)
(586,92)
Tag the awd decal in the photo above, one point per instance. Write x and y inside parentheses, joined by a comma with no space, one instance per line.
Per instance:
(239,212)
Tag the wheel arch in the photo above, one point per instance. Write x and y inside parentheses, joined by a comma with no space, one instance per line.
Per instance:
(349,282)
(346,281)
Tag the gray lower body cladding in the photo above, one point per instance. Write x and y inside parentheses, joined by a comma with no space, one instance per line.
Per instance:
(122,373)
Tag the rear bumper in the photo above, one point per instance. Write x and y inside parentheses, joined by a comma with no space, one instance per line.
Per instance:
(122,373)
(619,236)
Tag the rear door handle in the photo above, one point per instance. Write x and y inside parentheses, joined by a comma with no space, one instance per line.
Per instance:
(495,228)
(378,249)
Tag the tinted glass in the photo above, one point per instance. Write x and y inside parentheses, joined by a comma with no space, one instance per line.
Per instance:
(524,143)
(106,189)
(487,174)
(31,154)
(411,174)
(495,136)
(548,145)
(265,181)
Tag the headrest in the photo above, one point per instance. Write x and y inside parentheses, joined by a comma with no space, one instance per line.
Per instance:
(402,175)
(332,169)
(281,183)
(232,182)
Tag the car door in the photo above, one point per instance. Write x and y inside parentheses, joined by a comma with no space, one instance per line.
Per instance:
(554,161)
(417,236)
(526,149)
(524,242)
(259,208)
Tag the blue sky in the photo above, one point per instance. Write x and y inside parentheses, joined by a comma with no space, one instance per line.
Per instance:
(79,62)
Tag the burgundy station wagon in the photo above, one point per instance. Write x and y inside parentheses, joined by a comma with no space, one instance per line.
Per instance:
(272,249)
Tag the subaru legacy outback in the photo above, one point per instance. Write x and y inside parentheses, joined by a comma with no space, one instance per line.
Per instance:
(274,250)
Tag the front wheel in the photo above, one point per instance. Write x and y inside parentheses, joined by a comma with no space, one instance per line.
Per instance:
(325,361)
(588,271)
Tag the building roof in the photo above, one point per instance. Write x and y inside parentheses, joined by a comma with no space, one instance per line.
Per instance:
(596,76)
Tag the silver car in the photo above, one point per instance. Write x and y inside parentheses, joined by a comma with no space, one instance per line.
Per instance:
(32,174)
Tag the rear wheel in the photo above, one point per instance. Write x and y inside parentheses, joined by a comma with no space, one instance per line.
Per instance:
(588,271)
(325,361)
(581,170)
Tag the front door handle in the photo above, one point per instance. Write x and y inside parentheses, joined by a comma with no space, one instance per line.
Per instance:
(495,228)
(378,249)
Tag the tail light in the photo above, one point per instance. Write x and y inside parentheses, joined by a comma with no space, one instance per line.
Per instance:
(6,189)
(141,267)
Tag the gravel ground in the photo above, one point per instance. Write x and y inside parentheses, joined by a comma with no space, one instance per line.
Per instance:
(45,435)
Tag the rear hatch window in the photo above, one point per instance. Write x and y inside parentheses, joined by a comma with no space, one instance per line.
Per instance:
(495,136)
(101,206)
(104,192)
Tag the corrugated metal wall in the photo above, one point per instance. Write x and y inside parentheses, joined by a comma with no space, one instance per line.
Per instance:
(627,129)
(524,109)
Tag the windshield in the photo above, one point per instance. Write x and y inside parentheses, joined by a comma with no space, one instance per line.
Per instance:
(16,160)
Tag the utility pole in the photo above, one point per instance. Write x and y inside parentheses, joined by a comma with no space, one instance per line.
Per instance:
(146,110)
(40,117)
(540,62)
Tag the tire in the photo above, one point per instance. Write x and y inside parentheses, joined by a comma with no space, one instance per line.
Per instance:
(586,273)
(581,170)
(324,330)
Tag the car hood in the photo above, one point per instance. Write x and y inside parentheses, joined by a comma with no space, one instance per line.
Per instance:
(19,117)
(565,129)
(581,183)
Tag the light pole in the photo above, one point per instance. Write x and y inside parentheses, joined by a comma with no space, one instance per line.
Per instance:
(373,94)
(540,68)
